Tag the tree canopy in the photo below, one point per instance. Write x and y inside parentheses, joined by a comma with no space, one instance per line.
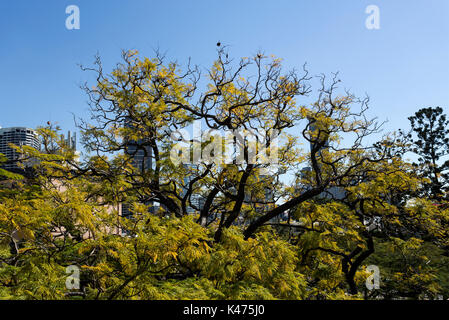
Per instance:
(302,205)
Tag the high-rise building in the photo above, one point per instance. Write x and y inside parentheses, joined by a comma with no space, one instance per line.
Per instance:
(141,154)
(70,140)
(19,136)
(139,150)
(196,199)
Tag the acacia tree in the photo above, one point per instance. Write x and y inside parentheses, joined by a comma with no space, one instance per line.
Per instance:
(59,220)
(157,100)
(253,234)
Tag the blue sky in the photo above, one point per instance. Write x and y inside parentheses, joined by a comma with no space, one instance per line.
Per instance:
(403,66)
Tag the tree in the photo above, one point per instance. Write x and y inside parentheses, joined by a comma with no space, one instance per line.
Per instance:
(207,228)
(158,100)
(412,268)
(430,141)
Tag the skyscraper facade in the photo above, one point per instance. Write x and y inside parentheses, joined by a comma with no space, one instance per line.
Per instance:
(19,136)
(70,140)
(141,153)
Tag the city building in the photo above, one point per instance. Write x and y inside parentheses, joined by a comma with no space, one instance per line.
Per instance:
(141,155)
(70,140)
(196,198)
(19,136)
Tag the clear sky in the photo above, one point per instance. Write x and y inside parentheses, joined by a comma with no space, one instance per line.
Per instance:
(403,66)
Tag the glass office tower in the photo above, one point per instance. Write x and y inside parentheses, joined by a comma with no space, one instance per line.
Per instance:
(19,136)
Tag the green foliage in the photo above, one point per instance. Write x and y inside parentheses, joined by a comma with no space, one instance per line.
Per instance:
(430,141)
(411,269)
(356,205)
